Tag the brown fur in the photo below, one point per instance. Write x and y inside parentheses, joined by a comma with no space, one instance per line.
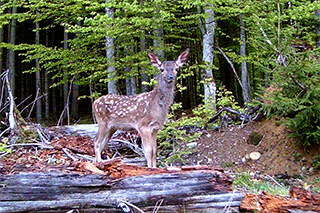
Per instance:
(145,112)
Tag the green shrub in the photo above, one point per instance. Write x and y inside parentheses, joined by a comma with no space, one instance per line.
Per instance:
(296,96)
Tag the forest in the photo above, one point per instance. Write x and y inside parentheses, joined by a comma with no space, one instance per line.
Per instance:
(246,60)
(61,55)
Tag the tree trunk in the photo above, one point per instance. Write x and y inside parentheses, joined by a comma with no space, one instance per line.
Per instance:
(38,76)
(317,23)
(1,52)
(144,75)
(112,87)
(131,88)
(11,54)
(208,30)
(244,69)
(46,85)
(65,79)
(158,41)
(75,96)
(183,190)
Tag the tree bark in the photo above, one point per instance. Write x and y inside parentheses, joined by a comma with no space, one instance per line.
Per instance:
(187,189)
(1,52)
(46,85)
(317,23)
(11,54)
(208,31)
(144,75)
(38,76)
(65,79)
(244,69)
(298,201)
(112,87)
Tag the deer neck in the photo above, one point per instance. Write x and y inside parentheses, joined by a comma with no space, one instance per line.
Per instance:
(165,95)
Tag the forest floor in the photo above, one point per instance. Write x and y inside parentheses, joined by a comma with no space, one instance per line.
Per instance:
(281,157)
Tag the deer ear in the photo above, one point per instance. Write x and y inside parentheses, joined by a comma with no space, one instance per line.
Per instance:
(183,57)
(155,61)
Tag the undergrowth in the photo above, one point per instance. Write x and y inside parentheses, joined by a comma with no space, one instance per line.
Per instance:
(178,138)
(245,182)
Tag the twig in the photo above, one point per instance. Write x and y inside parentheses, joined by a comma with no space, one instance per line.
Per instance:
(68,153)
(43,137)
(33,103)
(235,72)
(86,157)
(12,121)
(134,147)
(7,129)
(131,205)
(157,206)
(24,100)
(31,144)
(276,182)
(66,108)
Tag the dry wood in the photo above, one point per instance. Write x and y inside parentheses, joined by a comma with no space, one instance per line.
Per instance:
(300,200)
(181,188)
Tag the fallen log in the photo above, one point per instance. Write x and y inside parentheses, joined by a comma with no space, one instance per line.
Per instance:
(188,188)
(298,201)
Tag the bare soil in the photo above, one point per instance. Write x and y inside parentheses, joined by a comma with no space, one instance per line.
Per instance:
(228,149)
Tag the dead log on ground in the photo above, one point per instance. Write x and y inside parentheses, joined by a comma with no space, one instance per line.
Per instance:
(188,188)
(300,201)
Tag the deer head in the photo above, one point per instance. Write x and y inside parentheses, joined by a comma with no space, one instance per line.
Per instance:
(145,112)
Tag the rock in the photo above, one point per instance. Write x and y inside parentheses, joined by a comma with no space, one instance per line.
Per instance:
(254,156)
(255,138)
(192,144)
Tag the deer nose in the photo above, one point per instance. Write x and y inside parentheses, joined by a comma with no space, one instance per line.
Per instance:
(170,77)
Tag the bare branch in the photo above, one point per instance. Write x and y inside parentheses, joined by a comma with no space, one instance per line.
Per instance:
(234,70)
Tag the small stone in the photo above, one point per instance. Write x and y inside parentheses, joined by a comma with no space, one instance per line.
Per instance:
(192,144)
(254,156)
(243,159)
(208,135)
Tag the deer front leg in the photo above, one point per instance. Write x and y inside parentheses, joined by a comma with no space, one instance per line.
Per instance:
(149,146)
(104,135)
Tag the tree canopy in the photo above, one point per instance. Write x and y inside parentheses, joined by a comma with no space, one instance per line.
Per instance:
(281,39)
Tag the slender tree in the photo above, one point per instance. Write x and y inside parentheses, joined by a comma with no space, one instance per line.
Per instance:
(38,76)
(1,40)
(244,68)
(11,53)
(112,87)
(208,30)
(317,24)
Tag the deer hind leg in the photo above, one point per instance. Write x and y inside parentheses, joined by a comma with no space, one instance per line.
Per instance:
(104,135)
(154,148)
(149,146)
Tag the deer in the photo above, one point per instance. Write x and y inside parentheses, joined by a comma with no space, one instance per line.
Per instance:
(146,112)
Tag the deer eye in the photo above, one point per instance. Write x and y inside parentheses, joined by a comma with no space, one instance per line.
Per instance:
(161,69)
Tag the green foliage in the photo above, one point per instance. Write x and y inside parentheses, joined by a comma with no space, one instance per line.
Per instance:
(3,148)
(225,98)
(295,95)
(316,162)
(173,139)
(246,181)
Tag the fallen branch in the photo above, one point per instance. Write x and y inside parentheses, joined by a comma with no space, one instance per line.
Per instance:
(244,117)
